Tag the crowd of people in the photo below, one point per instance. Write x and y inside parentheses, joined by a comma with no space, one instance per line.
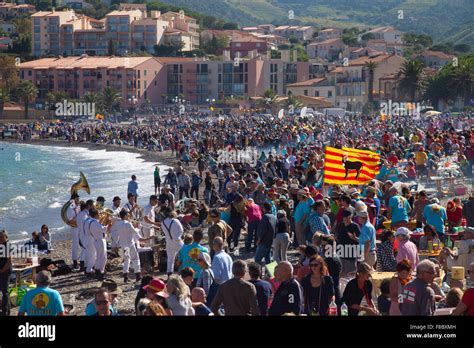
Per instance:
(207,216)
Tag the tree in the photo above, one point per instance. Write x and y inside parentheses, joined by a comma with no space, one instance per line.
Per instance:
(8,73)
(411,79)
(230,26)
(463,79)
(293,40)
(171,49)
(26,92)
(52,98)
(370,66)
(91,97)
(110,99)
(463,48)
(368,36)
(292,101)
(4,98)
(269,99)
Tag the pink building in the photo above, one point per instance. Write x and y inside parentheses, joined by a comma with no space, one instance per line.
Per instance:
(134,77)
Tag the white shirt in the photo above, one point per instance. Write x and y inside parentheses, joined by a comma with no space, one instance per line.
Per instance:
(176,230)
(80,218)
(72,211)
(124,233)
(94,230)
(148,212)
(116,210)
(136,214)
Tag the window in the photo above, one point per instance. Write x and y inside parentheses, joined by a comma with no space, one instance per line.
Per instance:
(329,94)
(145,84)
(305,92)
(144,72)
(316,93)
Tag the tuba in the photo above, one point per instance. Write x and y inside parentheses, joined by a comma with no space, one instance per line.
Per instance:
(81,184)
(105,214)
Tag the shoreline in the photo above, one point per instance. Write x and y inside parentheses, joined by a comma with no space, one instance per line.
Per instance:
(164,158)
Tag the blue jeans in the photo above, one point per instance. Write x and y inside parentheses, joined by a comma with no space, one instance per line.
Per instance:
(251,234)
(263,252)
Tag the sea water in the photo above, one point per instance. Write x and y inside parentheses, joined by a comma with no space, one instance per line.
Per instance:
(35,182)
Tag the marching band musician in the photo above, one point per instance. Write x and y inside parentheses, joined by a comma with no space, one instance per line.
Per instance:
(80,218)
(96,245)
(116,209)
(133,208)
(173,231)
(126,237)
(148,222)
(72,212)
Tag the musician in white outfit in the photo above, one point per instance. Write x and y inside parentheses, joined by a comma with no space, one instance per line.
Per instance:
(116,209)
(80,218)
(133,208)
(173,231)
(127,236)
(72,212)
(96,244)
(148,222)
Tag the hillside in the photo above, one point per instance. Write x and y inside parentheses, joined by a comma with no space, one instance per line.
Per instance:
(444,20)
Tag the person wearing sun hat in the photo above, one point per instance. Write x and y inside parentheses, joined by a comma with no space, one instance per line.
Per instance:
(406,248)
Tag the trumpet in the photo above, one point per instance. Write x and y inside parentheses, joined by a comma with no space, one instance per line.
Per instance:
(81,184)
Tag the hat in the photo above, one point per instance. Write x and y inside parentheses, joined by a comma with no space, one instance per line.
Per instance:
(167,187)
(402,231)
(100,199)
(362,214)
(352,191)
(111,286)
(302,192)
(156,286)
(117,198)
(205,257)
(294,187)
(388,182)
(193,171)
(283,198)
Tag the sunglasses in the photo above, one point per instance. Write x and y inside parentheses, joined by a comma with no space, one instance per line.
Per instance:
(101,303)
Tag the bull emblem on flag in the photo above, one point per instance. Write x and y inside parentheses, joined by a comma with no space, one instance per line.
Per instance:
(351,165)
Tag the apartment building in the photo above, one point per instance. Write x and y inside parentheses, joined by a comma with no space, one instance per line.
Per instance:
(183,28)
(324,87)
(46,31)
(435,59)
(352,80)
(328,49)
(302,33)
(134,77)
(328,34)
(120,32)
(387,34)
(12,10)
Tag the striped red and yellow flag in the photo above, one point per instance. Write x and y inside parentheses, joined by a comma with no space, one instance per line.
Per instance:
(362,166)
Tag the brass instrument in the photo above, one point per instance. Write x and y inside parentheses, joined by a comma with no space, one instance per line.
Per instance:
(81,184)
(105,215)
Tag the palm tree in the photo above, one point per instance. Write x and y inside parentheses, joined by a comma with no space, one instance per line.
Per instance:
(110,98)
(4,98)
(370,66)
(269,99)
(52,98)
(411,79)
(437,89)
(292,101)
(462,80)
(27,92)
(90,97)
